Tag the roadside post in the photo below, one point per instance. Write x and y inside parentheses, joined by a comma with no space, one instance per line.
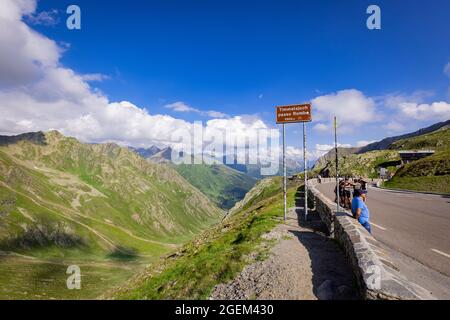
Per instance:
(337,164)
(284,172)
(305,171)
(296,113)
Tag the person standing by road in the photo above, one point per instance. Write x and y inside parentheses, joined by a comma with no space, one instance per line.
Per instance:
(360,210)
(348,186)
(357,185)
(340,189)
(363,184)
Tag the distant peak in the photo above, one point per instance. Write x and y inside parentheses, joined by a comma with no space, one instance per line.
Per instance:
(54,134)
(33,137)
(166,153)
(154,149)
(146,152)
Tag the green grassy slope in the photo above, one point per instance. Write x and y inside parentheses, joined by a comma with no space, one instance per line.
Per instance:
(215,256)
(331,156)
(41,279)
(364,165)
(220,183)
(430,174)
(427,174)
(264,189)
(435,184)
(223,185)
(438,140)
(66,202)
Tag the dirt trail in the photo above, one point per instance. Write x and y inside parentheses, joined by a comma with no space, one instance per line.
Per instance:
(303,265)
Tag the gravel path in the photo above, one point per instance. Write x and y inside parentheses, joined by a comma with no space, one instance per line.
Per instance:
(303,265)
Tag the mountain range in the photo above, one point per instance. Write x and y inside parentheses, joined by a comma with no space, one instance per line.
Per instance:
(95,204)
(220,183)
(224,183)
(113,210)
(431,173)
(383,144)
(160,155)
(386,142)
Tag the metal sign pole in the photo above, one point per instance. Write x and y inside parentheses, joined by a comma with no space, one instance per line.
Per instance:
(337,164)
(294,113)
(305,170)
(284,171)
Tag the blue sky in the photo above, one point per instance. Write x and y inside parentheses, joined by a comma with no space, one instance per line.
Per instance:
(245,57)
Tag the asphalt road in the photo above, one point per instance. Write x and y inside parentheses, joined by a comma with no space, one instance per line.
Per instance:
(416,228)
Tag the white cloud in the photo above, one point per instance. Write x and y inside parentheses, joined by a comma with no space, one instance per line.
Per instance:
(315,154)
(297,154)
(15,9)
(215,114)
(38,93)
(394,126)
(434,111)
(413,106)
(324,147)
(46,18)
(447,69)
(351,107)
(312,154)
(321,127)
(363,143)
(393,100)
(293,152)
(240,130)
(180,106)
(24,53)
(328,147)
(95,77)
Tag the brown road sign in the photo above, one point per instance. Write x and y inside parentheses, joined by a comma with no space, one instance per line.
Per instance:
(294,113)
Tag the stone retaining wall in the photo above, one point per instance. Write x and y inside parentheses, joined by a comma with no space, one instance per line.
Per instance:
(376,275)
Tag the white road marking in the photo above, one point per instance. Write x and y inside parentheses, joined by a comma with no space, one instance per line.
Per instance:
(379,227)
(407,193)
(442,253)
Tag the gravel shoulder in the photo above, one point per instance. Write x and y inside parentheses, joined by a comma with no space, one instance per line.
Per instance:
(304,264)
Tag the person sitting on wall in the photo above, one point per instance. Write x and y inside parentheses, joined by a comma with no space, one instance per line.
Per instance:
(360,210)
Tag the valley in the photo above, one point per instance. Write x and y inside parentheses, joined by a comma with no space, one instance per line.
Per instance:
(63,202)
(141,227)
(219,182)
